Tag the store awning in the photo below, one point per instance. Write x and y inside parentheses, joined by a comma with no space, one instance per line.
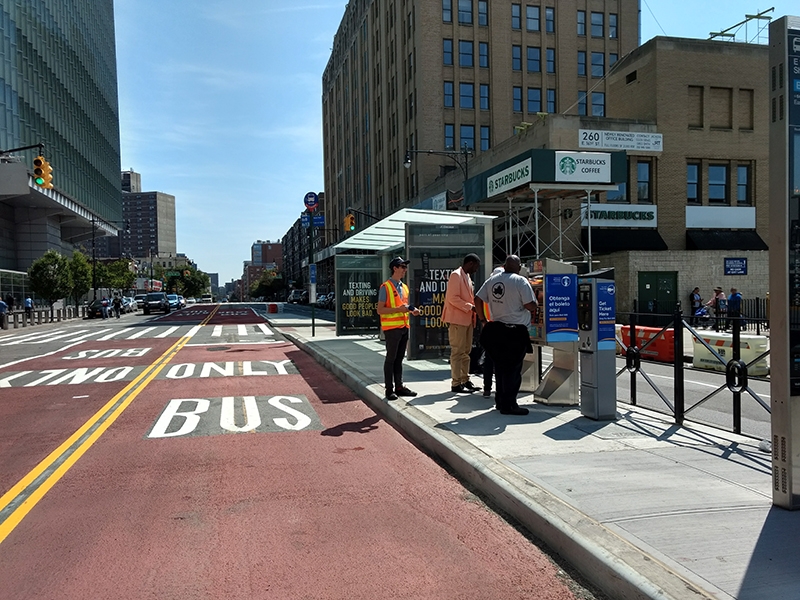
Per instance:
(606,241)
(390,232)
(724,239)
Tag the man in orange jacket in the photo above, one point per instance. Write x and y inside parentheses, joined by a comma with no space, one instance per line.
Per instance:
(394,310)
(459,314)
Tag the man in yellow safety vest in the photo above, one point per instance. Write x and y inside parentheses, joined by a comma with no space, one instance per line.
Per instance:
(394,309)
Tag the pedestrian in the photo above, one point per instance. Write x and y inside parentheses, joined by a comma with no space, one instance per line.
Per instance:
(735,307)
(3,312)
(10,302)
(104,307)
(506,338)
(488,363)
(459,314)
(28,307)
(695,303)
(394,309)
(718,304)
(117,303)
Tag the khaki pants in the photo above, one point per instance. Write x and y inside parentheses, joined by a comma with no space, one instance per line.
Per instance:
(460,346)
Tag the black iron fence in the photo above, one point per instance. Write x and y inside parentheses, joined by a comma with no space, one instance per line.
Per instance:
(754,314)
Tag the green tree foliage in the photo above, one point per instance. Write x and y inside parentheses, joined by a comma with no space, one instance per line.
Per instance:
(81,271)
(270,283)
(189,282)
(100,275)
(120,275)
(49,277)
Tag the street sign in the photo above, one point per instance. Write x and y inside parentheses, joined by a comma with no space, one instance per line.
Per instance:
(311,200)
(305,220)
(319,220)
(312,273)
(172,274)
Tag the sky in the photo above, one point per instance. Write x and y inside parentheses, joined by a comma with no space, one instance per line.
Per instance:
(221,106)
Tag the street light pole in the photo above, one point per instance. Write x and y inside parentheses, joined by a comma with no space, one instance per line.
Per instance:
(463,163)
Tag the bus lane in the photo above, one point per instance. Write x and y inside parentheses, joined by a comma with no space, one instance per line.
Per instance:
(248,471)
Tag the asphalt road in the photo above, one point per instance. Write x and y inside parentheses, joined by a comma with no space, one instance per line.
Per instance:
(201,455)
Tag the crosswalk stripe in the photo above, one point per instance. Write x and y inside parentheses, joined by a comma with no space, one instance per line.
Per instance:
(140,333)
(167,332)
(27,336)
(217,331)
(265,329)
(105,338)
(242,330)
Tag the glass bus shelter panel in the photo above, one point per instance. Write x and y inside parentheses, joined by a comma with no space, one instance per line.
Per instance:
(358,279)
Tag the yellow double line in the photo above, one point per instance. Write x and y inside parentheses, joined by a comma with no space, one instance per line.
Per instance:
(17,502)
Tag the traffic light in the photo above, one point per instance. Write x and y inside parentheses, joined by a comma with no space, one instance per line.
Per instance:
(350,222)
(42,172)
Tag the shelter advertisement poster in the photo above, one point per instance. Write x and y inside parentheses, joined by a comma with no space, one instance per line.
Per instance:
(561,307)
(606,316)
(358,294)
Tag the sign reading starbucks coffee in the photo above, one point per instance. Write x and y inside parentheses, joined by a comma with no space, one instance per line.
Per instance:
(583,167)
(619,215)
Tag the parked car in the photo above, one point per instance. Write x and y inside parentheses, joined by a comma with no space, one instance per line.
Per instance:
(95,308)
(295,296)
(140,300)
(182,300)
(304,297)
(128,304)
(191,301)
(321,299)
(330,301)
(174,301)
(156,301)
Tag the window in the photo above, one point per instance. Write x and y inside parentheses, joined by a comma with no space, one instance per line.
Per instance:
(534,59)
(612,25)
(464,53)
(582,103)
(597,24)
(598,104)
(532,17)
(717,184)
(483,54)
(448,94)
(466,95)
(534,100)
(465,12)
(468,136)
(485,143)
(516,16)
(643,179)
(551,100)
(613,57)
(447,52)
(743,185)
(581,22)
(693,183)
(484,100)
(447,11)
(550,19)
(551,60)
(581,63)
(516,58)
(449,136)
(483,12)
(618,195)
(598,64)
(517,99)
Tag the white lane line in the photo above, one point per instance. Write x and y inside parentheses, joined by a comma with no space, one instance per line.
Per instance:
(56,337)
(140,333)
(700,383)
(105,338)
(167,332)
(27,336)
(242,330)
(217,331)
(265,329)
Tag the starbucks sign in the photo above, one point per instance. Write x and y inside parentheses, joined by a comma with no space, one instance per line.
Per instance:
(583,167)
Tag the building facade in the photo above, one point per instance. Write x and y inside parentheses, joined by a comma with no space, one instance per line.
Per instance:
(59,77)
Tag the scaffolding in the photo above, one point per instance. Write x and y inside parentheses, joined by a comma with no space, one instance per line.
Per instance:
(762,29)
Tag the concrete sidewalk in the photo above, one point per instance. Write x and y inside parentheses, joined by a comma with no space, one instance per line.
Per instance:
(643,508)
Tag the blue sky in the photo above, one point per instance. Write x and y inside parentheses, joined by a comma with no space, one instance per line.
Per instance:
(220,106)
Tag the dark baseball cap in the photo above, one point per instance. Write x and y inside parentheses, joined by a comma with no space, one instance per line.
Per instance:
(398,262)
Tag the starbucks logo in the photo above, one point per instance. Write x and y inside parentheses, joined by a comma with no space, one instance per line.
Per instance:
(567,165)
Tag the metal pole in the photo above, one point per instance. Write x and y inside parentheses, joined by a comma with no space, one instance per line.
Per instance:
(678,372)
(94,263)
(536,220)
(737,354)
(589,226)
(310,262)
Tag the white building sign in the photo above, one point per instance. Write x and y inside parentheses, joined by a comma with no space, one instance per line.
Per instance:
(509,178)
(619,215)
(620,140)
(581,167)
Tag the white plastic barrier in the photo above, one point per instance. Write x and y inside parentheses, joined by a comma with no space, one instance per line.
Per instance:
(750,348)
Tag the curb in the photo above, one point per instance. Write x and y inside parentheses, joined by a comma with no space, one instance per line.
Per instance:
(610,562)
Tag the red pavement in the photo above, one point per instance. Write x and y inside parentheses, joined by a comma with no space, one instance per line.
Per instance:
(353,511)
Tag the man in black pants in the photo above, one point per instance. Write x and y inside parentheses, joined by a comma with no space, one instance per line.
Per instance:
(394,310)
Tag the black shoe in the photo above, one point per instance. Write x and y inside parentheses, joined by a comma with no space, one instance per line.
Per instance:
(517,410)
(487,393)
(404,391)
(460,389)
(391,396)
(470,387)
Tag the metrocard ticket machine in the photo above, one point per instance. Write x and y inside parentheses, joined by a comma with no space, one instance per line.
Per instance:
(555,285)
(597,344)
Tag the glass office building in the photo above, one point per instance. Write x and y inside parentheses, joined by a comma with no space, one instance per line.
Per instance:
(58,86)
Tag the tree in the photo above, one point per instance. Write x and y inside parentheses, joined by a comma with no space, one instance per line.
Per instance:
(49,277)
(120,275)
(195,283)
(81,271)
(270,283)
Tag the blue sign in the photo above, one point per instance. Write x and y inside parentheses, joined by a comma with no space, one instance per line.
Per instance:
(319,220)
(797,85)
(305,221)
(311,200)
(735,266)
(561,308)
(606,316)
(312,273)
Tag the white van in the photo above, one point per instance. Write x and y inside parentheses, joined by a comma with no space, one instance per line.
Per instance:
(206,299)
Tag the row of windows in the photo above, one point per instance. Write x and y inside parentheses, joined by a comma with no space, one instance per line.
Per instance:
(598,63)
(466,137)
(533,18)
(718,184)
(534,59)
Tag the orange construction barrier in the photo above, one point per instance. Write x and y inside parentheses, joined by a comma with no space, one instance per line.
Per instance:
(661,349)
(272,307)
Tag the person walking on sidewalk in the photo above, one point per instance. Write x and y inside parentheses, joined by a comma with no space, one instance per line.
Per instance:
(3,312)
(394,310)
(506,339)
(719,303)
(459,314)
(695,303)
(735,308)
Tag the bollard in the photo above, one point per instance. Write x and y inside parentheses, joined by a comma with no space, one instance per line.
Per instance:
(58,315)
(16,320)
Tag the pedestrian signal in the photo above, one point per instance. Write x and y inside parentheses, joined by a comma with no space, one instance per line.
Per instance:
(350,222)
(42,172)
